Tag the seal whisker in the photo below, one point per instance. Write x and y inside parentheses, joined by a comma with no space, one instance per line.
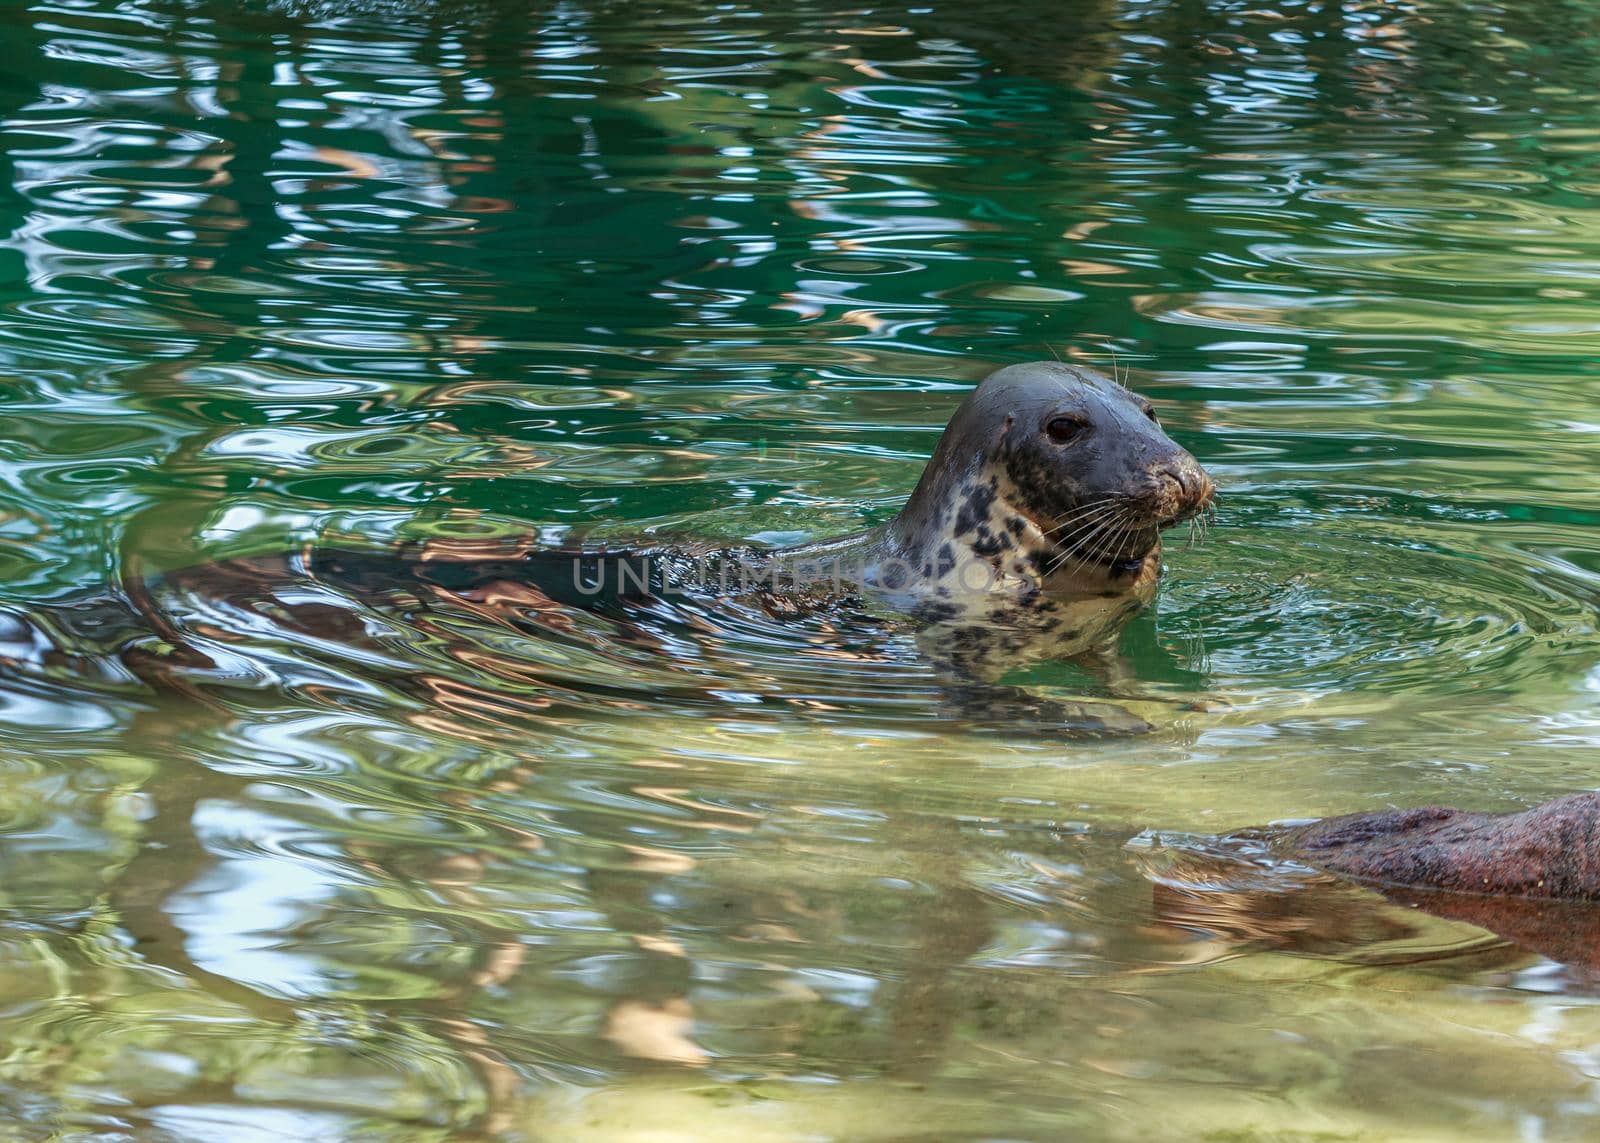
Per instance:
(1108,516)
(1114,364)
(1079,517)
(1085,546)
(1095,547)
(1067,552)
(1083,549)
(1125,535)
(1113,542)
(1085,516)
(1130,526)
(1079,509)
(1108,498)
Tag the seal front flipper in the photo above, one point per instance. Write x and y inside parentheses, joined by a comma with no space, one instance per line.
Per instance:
(1111,667)
(970,658)
(997,706)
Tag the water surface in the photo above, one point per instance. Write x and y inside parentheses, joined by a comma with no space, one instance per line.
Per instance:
(278,274)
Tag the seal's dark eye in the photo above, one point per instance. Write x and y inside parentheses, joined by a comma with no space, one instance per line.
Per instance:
(1150,411)
(1063,429)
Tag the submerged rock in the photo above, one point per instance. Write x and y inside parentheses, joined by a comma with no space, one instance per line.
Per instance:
(1551,851)
(1531,877)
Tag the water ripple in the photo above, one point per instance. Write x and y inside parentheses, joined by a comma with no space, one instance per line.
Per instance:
(358,273)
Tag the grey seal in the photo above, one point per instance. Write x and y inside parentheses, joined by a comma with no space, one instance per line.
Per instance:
(1033,533)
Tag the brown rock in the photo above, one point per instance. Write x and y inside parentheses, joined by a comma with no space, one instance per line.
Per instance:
(1550,851)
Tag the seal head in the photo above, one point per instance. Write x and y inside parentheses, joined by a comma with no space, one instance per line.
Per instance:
(1048,467)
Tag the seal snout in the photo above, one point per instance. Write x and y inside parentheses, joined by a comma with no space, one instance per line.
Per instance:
(1184,489)
(1173,488)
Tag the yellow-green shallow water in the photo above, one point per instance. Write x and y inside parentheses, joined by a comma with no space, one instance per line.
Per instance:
(277,273)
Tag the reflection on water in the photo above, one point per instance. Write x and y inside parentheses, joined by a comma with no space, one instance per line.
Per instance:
(283,273)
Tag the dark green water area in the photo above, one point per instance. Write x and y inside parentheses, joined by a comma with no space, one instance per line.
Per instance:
(278,275)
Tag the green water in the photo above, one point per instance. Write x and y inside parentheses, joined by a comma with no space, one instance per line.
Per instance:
(278,273)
